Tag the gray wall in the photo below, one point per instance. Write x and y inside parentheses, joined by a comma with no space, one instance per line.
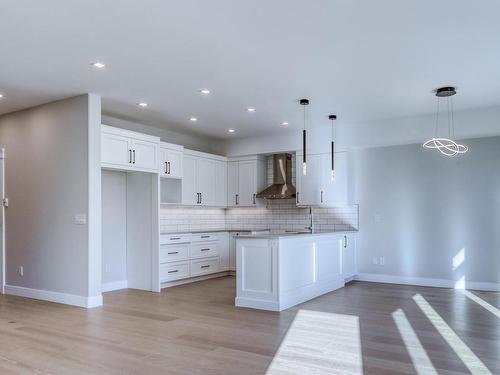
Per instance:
(114,226)
(419,209)
(50,177)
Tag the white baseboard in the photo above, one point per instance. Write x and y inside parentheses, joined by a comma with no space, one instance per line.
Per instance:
(114,285)
(422,281)
(46,295)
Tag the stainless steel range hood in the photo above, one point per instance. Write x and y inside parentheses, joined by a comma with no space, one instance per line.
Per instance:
(282,187)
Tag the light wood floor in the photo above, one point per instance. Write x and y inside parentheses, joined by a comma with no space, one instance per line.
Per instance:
(195,329)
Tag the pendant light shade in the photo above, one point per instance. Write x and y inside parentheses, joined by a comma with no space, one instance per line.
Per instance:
(446,146)
(332,118)
(304,103)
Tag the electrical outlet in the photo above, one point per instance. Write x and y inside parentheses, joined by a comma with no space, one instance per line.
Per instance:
(20,271)
(382,261)
(375,260)
(107,268)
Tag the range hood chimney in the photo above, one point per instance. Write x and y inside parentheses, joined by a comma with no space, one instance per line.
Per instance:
(282,187)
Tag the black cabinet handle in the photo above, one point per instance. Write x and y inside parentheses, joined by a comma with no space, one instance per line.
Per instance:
(175,238)
(204,249)
(236,199)
(173,252)
(254,199)
(168,168)
(345,242)
(201,198)
(321,196)
(133,151)
(298,201)
(174,271)
(130,156)
(205,236)
(205,266)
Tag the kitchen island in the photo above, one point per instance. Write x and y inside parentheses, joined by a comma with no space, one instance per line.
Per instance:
(277,271)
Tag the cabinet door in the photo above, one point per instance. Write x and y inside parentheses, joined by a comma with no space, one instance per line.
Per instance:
(145,155)
(174,163)
(224,251)
(115,150)
(206,181)
(232,184)
(189,181)
(221,183)
(232,251)
(162,162)
(334,191)
(247,183)
(309,185)
(348,256)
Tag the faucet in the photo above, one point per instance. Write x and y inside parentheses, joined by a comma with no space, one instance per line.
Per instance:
(311,220)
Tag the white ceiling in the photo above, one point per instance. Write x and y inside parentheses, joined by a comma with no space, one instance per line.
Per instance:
(366,60)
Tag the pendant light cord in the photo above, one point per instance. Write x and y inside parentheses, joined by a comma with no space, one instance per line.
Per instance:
(437,120)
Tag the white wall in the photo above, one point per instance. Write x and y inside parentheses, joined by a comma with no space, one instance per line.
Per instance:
(483,122)
(52,159)
(192,142)
(422,212)
(114,227)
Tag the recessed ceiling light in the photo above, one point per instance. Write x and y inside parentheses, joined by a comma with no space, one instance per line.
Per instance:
(142,104)
(2,96)
(251,109)
(284,123)
(194,119)
(205,91)
(98,65)
(231,130)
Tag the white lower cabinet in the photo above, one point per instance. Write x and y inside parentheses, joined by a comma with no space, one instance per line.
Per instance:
(187,255)
(204,266)
(349,268)
(174,271)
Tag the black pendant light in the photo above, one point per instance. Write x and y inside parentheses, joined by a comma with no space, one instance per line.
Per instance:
(332,118)
(304,103)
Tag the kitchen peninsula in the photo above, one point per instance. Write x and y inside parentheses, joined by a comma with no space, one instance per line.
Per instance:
(276,271)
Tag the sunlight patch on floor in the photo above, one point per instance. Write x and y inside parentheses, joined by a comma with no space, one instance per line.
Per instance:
(482,302)
(320,343)
(419,357)
(473,363)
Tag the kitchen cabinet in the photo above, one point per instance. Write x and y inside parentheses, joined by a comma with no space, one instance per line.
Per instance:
(170,160)
(204,179)
(187,255)
(317,188)
(245,178)
(126,150)
(348,244)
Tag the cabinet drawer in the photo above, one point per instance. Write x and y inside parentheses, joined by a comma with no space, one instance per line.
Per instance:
(199,237)
(174,271)
(199,250)
(166,239)
(172,253)
(204,266)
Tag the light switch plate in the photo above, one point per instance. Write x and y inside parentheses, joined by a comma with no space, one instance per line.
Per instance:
(80,219)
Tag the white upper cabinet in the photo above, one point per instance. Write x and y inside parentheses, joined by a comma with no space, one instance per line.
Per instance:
(317,187)
(308,186)
(170,157)
(190,194)
(221,183)
(127,150)
(204,181)
(245,178)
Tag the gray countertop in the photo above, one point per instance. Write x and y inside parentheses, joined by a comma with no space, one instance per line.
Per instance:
(260,234)
(291,235)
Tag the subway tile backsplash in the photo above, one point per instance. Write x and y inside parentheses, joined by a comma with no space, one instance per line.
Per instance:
(278,215)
